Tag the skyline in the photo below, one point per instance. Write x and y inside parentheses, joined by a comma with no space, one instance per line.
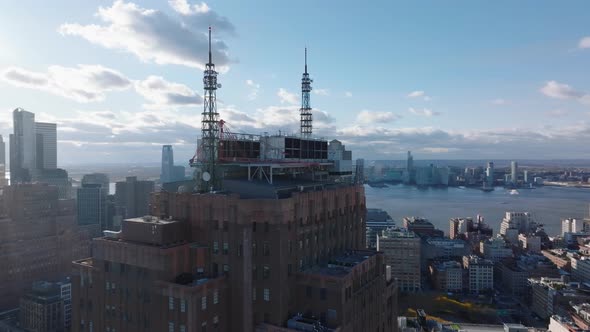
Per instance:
(479,81)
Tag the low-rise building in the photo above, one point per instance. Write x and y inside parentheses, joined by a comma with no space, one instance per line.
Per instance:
(529,242)
(550,295)
(446,276)
(495,249)
(480,272)
(401,248)
(580,268)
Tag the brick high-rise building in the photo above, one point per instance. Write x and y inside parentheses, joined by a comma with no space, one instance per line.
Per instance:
(237,261)
(39,237)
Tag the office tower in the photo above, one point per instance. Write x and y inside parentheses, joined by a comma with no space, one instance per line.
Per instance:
(46,141)
(481,274)
(22,147)
(458,227)
(359,171)
(3,180)
(57,177)
(167,164)
(402,252)
(514,172)
(490,174)
(526,176)
(91,201)
(39,237)
(410,162)
(96,178)
(132,197)
(571,225)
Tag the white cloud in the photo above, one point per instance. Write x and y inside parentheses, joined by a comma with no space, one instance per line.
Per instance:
(368,117)
(183,7)
(419,94)
(584,42)
(499,101)
(287,97)
(162,93)
(321,92)
(84,83)
(254,88)
(423,112)
(438,150)
(200,16)
(153,36)
(554,89)
(348,94)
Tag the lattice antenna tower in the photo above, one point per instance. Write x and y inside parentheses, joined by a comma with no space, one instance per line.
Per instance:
(210,179)
(306,116)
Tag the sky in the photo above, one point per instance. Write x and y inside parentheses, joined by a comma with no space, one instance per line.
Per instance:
(460,80)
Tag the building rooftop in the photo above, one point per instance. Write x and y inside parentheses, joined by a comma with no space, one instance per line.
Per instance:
(340,266)
(280,188)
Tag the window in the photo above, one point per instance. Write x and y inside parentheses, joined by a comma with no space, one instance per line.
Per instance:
(182,305)
(254,294)
(215,247)
(254,274)
(308,292)
(254,226)
(203,302)
(266,294)
(90,326)
(107,286)
(215,320)
(266,272)
(266,227)
(254,249)
(170,303)
(216,224)
(225,269)
(289,269)
(266,249)
(107,266)
(215,296)
(225,225)
(182,328)
(225,248)
(240,250)
(170,326)
(290,247)
(323,293)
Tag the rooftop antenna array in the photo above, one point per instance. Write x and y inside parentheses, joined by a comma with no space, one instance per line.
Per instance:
(306,116)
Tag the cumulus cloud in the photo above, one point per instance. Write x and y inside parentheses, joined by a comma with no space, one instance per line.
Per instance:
(84,83)
(254,88)
(201,16)
(419,94)
(558,90)
(554,89)
(423,112)
(584,42)
(367,117)
(162,93)
(153,36)
(287,97)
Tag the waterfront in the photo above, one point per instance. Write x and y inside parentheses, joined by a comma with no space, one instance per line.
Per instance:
(548,204)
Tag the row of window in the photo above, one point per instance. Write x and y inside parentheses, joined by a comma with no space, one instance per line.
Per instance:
(183,303)
(182,327)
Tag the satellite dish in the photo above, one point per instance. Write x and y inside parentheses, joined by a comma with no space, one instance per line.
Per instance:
(206,176)
(219,85)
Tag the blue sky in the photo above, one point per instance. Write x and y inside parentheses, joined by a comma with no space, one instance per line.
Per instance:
(499,79)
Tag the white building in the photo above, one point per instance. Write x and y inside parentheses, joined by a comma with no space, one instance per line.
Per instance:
(580,268)
(401,249)
(495,249)
(481,273)
(522,221)
(340,157)
(530,243)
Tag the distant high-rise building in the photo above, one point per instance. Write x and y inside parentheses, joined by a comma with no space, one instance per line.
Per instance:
(490,174)
(91,201)
(170,172)
(42,308)
(359,171)
(132,197)
(23,147)
(46,141)
(571,225)
(515,223)
(167,164)
(526,176)
(402,252)
(3,180)
(96,178)
(514,172)
(409,172)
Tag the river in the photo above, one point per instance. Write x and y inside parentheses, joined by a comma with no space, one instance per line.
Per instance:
(547,204)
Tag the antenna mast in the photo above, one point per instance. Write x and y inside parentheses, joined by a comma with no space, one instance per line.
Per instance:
(210,128)
(306,117)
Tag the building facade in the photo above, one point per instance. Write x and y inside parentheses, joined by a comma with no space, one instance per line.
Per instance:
(132,197)
(480,272)
(46,145)
(402,252)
